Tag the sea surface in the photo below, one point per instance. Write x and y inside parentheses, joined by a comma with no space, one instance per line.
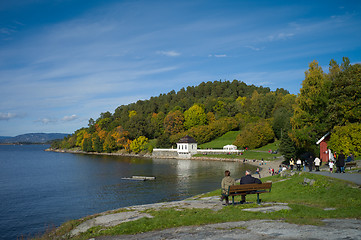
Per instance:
(40,190)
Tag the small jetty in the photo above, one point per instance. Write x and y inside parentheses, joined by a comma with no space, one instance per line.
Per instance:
(139,178)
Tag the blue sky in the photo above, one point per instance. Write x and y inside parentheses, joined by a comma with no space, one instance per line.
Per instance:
(63,62)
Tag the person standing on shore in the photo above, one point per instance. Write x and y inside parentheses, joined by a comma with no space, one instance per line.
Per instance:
(292,163)
(226,182)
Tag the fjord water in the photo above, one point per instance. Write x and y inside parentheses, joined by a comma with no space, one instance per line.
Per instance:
(40,190)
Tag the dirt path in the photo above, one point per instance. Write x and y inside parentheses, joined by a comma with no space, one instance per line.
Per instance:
(265,167)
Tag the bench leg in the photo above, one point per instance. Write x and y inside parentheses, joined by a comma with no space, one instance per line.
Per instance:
(258,200)
(233,200)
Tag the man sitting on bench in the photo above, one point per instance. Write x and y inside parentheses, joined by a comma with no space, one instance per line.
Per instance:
(248,179)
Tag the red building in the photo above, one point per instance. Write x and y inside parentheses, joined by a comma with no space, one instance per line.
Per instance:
(324,151)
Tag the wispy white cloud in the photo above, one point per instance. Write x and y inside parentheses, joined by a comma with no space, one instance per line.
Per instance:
(70,118)
(254,48)
(217,55)
(169,53)
(8,116)
(279,36)
(46,121)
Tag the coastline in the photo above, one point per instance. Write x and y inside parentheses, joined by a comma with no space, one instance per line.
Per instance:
(258,163)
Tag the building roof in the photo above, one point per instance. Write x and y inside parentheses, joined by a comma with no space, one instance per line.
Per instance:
(187,139)
(230,147)
(319,141)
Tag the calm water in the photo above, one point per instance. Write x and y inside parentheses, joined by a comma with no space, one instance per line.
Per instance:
(41,189)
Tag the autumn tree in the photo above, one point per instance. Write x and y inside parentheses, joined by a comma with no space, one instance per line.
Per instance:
(173,122)
(139,144)
(120,137)
(109,143)
(87,144)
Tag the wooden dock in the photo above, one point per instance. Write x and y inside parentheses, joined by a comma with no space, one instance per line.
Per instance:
(139,178)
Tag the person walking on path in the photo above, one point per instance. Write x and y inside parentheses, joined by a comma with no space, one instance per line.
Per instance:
(258,172)
(298,164)
(226,182)
(340,163)
(330,164)
(317,162)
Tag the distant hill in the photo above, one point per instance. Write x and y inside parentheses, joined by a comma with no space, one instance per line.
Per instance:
(33,138)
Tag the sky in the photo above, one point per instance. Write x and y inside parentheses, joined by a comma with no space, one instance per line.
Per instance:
(63,62)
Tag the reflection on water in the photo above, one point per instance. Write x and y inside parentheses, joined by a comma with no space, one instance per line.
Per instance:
(42,188)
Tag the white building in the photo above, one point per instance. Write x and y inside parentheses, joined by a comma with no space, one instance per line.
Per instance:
(186,147)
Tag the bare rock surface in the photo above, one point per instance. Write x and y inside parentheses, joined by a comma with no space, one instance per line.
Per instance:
(333,229)
(132,213)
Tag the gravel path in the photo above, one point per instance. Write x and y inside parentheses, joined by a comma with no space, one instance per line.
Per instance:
(351,177)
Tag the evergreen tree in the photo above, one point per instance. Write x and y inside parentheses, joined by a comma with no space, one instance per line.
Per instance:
(287,147)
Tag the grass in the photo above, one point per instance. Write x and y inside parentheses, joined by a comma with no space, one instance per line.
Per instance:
(218,143)
(307,203)
(229,138)
(259,153)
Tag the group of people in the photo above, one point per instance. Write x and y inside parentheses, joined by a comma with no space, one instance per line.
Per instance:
(230,181)
(340,161)
(337,160)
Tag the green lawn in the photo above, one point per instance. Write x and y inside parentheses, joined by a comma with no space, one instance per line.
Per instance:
(218,143)
(229,138)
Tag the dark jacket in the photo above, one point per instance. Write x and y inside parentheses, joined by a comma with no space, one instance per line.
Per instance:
(248,179)
(340,160)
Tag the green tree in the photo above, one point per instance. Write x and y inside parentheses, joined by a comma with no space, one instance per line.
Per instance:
(97,144)
(345,97)
(156,127)
(309,119)
(163,141)
(86,145)
(287,147)
(194,116)
(255,135)
(346,138)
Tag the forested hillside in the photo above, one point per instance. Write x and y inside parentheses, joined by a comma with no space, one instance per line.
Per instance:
(205,112)
(327,102)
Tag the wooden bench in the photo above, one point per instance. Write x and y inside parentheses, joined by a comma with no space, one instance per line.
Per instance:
(245,189)
(350,164)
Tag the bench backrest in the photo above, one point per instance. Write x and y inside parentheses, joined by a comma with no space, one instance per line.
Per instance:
(250,187)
